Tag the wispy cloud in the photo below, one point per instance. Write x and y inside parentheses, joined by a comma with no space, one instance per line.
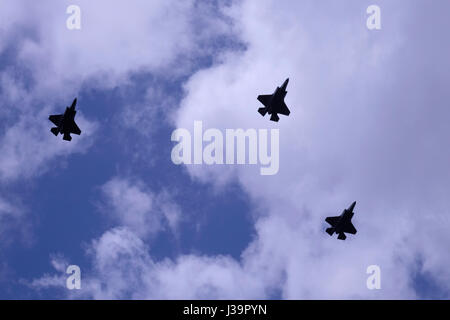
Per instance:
(124,269)
(133,205)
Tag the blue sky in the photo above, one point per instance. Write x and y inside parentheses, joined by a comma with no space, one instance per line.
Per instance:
(65,200)
(368,123)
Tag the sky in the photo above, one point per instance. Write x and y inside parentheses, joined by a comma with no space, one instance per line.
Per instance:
(369,123)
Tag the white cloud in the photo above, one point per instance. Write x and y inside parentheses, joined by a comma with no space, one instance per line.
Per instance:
(133,205)
(52,62)
(12,221)
(364,126)
(124,269)
(115,39)
(60,264)
(44,63)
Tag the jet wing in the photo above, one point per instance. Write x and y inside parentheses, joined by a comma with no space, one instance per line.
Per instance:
(332,220)
(265,99)
(350,228)
(73,128)
(284,109)
(56,119)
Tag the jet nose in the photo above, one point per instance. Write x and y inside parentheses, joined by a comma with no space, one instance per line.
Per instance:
(352,206)
(74,103)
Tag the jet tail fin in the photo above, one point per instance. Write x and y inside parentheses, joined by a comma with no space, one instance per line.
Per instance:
(263,111)
(330,231)
(274,117)
(55,131)
(342,236)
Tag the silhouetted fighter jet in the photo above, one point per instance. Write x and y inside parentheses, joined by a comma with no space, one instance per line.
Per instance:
(274,103)
(342,223)
(65,123)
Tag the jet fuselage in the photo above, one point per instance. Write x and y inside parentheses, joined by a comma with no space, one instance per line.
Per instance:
(274,103)
(65,123)
(278,96)
(342,224)
(345,217)
(69,117)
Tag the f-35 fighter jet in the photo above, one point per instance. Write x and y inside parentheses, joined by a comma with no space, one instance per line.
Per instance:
(274,103)
(342,223)
(65,123)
